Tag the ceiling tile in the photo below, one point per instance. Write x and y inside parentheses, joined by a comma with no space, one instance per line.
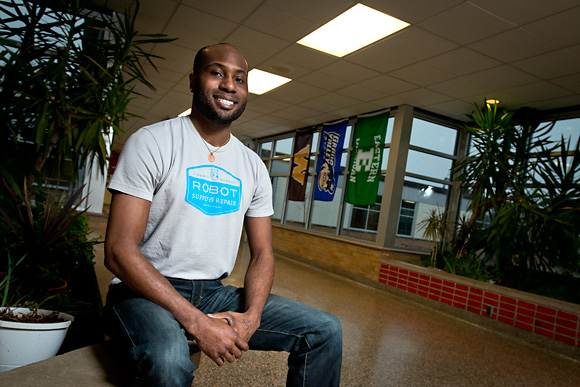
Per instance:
(280,24)
(387,85)
(452,108)
(160,10)
(459,88)
(337,100)
(416,43)
(512,45)
(305,56)
(422,97)
(410,11)
(378,59)
(462,61)
(360,93)
(571,82)
(465,24)
(202,23)
(348,71)
(552,65)
(324,81)
(421,74)
(314,11)
(234,10)
(244,37)
(562,29)
(533,92)
(501,77)
(524,11)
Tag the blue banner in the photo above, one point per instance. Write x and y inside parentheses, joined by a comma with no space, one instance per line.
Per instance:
(328,166)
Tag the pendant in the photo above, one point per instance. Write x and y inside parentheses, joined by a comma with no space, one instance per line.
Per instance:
(211,157)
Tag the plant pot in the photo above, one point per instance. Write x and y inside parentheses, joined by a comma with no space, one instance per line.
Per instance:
(25,343)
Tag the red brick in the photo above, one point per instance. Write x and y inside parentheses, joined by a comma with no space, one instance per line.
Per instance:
(476,291)
(392,283)
(567,316)
(402,287)
(461,287)
(545,317)
(422,293)
(434,297)
(424,277)
(544,332)
(476,304)
(475,297)
(436,280)
(549,311)
(423,282)
(413,279)
(505,320)
(474,309)
(435,286)
(565,331)
(412,290)
(493,296)
(448,289)
(508,300)
(491,302)
(403,271)
(509,307)
(393,269)
(414,274)
(544,325)
(526,305)
(423,288)
(412,285)
(565,339)
(403,277)
(459,305)
(449,296)
(462,300)
(526,312)
(435,292)
(460,293)
(506,313)
(450,284)
(567,324)
(521,325)
(446,301)
(525,319)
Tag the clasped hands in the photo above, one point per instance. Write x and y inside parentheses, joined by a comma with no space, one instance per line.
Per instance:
(226,335)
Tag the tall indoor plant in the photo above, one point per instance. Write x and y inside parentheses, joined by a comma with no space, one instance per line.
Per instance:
(68,71)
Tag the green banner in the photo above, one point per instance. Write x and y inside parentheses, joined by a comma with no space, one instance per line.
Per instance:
(366,158)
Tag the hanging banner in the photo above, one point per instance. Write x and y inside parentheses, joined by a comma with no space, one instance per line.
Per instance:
(300,160)
(328,166)
(366,159)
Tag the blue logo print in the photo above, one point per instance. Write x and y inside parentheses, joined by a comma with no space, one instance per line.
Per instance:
(213,190)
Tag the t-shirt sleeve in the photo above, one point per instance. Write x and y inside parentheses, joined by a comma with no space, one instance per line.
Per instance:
(261,205)
(139,168)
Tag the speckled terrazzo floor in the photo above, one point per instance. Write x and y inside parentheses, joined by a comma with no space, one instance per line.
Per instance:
(389,341)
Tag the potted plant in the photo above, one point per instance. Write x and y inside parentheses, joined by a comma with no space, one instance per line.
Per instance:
(68,70)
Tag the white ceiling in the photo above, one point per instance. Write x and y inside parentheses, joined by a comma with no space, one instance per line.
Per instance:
(454,54)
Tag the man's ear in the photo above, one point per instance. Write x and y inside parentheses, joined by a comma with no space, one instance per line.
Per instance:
(191,81)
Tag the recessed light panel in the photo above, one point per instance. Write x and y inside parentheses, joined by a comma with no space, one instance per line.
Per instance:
(352,30)
(260,82)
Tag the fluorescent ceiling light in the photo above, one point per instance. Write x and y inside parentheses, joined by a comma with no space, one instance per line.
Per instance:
(185,113)
(352,30)
(492,101)
(260,82)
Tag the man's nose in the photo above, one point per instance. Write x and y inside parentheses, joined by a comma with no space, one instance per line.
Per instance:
(227,84)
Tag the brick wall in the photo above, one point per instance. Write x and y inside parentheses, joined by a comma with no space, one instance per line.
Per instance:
(354,258)
(551,318)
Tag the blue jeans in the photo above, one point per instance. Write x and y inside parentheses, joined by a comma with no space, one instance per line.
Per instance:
(157,343)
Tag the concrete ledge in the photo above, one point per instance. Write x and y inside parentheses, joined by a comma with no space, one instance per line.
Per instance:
(96,365)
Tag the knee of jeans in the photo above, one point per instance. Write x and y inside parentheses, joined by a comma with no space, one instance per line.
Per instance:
(165,361)
(330,328)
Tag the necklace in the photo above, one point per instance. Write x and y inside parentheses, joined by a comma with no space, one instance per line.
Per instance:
(211,157)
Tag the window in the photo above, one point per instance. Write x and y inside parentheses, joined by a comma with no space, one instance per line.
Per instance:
(406,217)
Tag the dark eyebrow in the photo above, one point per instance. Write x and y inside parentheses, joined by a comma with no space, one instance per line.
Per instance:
(220,65)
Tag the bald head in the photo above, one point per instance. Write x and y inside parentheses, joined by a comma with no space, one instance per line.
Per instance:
(202,55)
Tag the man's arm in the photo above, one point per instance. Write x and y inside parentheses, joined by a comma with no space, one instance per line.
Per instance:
(258,279)
(125,230)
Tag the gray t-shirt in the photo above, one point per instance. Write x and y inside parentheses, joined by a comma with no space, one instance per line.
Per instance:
(197,207)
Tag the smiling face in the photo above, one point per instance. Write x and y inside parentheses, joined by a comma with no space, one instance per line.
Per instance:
(220,84)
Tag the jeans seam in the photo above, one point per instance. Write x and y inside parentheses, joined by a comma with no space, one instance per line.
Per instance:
(128,332)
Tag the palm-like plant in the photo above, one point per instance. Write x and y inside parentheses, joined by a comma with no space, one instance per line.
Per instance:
(67,75)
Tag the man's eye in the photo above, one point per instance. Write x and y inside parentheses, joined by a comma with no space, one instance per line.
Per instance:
(240,80)
(216,73)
